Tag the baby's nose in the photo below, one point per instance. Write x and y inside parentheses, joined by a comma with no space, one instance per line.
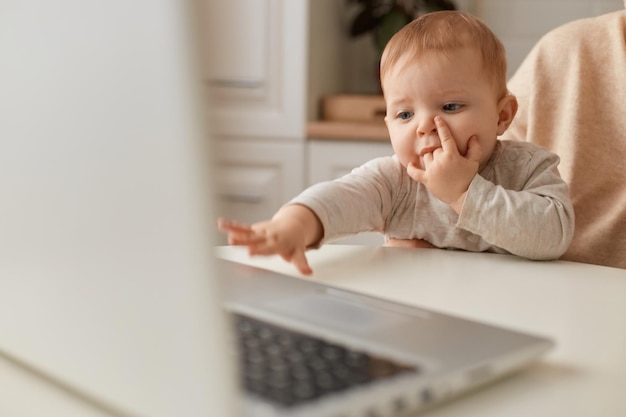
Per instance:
(426,126)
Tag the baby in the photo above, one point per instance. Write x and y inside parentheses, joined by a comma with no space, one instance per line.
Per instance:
(451,183)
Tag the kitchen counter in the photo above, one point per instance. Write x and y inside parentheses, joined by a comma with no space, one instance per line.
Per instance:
(358,117)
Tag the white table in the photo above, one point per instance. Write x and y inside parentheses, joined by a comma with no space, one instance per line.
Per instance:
(582,307)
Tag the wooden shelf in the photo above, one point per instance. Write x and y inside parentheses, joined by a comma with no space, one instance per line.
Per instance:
(357,131)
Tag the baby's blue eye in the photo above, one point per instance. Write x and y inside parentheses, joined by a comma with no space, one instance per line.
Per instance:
(405,115)
(452,106)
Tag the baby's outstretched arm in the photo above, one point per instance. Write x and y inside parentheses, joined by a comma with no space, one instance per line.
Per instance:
(289,233)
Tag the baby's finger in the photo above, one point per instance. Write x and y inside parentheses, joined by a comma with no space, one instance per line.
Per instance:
(264,247)
(226,225)
(448,143)
(429,157)
(298,258)
(300,261)
(473,149)
(245,239)
(415,173)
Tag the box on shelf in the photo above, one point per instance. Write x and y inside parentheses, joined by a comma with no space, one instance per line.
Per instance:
(354,108)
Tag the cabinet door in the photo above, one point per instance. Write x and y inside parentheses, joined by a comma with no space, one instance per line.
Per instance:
(256,179)
(236,31)
(329,160)
(332,159)
(255,66)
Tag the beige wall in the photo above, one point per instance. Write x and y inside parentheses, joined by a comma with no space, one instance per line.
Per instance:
(518,23)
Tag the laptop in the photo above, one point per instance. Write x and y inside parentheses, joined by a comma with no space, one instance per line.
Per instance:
(108,294)
(307,348)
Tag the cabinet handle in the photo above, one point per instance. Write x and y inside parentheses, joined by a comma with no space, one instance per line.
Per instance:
(236,83)
(250,198)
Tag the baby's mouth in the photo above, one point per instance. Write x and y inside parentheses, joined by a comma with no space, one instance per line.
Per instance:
(428,149)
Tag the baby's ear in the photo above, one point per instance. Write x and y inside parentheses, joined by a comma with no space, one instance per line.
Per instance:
(507,107)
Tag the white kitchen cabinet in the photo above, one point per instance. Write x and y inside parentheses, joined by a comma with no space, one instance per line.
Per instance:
(255,67)
(255,178)
(261,174)
(261,92)
(328,160)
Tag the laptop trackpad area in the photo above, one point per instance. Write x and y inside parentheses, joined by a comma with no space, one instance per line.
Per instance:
(332,311)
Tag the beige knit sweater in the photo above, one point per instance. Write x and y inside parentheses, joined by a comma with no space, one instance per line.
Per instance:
(572,94)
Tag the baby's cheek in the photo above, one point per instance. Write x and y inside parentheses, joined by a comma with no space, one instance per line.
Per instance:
(403,153)
(408,157)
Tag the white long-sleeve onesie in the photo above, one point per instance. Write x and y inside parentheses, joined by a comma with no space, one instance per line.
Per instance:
(517,204)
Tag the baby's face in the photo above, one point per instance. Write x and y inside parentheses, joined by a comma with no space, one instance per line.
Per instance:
(452,86)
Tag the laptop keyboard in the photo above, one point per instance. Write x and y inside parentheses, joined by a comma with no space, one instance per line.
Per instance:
(288,368)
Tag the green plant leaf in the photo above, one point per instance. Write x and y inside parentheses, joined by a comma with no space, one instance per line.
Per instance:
(363,22)
(388,26)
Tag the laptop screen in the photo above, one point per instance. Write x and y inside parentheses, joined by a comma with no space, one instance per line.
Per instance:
(105,284)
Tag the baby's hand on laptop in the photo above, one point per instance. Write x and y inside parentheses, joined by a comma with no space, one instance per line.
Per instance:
(447,174)
(273,237)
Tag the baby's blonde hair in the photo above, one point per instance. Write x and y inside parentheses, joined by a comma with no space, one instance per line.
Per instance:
(444,31)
